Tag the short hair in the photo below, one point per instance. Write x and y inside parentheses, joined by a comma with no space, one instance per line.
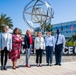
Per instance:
(58,30)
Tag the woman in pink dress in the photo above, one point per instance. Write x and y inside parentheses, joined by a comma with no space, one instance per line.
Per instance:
(16,47)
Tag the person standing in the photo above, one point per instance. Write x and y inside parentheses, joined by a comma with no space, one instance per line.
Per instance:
(16,47)
(5,46)
(49,42)
(28,41)
(39,46)
(59,45)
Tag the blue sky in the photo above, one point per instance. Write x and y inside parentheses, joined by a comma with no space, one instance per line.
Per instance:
(64,11)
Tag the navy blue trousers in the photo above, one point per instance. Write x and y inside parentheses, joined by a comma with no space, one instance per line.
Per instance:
(49,54)
(58,53)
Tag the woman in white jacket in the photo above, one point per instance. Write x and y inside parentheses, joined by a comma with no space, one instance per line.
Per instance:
(39,46)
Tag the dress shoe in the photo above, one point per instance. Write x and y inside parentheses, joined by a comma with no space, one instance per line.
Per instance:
(2,68)
(56,64)
(59,64)
(28,66)
(5,68)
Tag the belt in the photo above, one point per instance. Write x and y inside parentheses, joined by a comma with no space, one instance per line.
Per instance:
(58,44)
(49,46)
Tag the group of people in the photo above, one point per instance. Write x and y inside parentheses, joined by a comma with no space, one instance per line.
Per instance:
(49,44)
(11,44)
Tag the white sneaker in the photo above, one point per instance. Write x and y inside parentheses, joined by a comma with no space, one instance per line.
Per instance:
(40,65)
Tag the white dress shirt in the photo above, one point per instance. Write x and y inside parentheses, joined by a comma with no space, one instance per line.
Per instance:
(39,43)
(6,35)
(61,39)
(49,40)
(6,38)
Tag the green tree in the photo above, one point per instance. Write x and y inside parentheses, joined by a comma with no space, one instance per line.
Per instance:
(49,27)
(72,38)
(4,20)
(46,26)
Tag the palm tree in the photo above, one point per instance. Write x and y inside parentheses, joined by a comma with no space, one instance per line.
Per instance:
(4,20)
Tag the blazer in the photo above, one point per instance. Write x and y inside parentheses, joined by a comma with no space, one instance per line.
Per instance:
(3,41)
(27,41)
(39,44)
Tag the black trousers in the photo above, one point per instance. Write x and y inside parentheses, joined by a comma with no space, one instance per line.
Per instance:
(39,56)
(58,53)
(4,53)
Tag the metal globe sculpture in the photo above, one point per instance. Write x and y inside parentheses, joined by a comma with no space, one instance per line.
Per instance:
(37,12)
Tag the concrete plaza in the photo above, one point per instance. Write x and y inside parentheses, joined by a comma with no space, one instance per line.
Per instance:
(68,67)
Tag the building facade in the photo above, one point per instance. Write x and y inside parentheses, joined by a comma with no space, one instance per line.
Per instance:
(66,28)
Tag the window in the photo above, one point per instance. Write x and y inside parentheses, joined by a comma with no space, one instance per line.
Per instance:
(66,26)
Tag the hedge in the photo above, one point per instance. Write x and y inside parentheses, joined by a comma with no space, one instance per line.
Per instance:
(70,43)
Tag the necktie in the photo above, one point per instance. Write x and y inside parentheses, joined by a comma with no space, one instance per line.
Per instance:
(57,39)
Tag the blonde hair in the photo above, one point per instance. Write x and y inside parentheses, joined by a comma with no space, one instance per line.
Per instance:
(28,31)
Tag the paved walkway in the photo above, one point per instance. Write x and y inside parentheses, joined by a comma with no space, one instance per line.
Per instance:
(67,68)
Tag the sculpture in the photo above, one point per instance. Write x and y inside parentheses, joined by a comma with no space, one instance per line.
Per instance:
(37,12)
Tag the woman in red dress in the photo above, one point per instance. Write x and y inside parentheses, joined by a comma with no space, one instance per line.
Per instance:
(16,47)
